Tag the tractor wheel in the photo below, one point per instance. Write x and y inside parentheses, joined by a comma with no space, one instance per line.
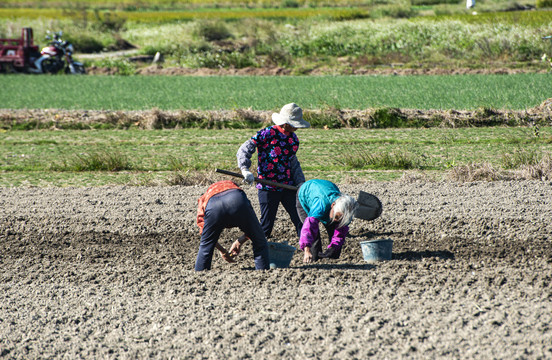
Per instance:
(7,68)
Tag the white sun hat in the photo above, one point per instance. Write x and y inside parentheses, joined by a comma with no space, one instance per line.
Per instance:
(290,114)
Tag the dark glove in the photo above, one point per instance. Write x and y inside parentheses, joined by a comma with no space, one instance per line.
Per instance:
(332,252)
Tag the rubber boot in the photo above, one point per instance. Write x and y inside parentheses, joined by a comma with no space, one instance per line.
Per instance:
(316,248)
(331,253)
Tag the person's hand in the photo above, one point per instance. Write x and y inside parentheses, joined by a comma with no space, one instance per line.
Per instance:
(307,258)
(228,257)
(332,252)
(235,248)
(248,177)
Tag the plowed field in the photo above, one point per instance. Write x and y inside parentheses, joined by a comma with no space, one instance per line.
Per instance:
(107,272)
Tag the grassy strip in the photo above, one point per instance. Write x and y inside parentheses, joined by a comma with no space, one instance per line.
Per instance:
(63,158)
(236,14)
(424,6)
(524,18)
(538,170)
(95,161)
(214,93)
(29,13)
(169,16)
(186,3)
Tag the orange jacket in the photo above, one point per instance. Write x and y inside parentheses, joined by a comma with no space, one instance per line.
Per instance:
(214,189)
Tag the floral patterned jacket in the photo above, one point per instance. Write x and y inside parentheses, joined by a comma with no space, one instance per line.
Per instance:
(277,160)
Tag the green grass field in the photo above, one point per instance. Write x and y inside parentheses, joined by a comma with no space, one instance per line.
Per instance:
(267,93)
(57,158)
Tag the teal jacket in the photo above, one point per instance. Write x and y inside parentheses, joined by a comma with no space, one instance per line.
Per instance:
(316,196)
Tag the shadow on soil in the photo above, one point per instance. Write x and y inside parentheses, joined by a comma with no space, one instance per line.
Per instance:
(338,266)
(419,255)
(323,267)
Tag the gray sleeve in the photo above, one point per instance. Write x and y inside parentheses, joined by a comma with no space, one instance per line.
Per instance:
(244,154)
(296,171)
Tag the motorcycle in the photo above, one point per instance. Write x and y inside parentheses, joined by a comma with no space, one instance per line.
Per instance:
(57,56)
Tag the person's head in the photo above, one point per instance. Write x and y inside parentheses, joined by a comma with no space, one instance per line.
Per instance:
(292,115)
(289,128)
(343,210)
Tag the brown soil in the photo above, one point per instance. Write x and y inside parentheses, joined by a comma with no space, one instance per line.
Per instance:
(107,272)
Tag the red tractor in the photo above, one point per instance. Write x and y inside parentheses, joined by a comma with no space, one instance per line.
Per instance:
(21,55)
(17,54)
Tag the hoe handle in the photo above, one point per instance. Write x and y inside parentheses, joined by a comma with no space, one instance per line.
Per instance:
(262,181)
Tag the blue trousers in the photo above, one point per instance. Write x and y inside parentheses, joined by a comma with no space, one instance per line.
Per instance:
(269,202)
(229,209)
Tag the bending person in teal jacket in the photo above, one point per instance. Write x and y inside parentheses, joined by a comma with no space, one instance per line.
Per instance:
(320,201)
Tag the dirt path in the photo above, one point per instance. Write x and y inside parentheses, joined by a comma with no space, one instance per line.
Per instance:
(107,55)
(107,273)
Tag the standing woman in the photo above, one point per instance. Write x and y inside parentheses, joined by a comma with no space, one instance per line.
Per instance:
(320,201)
(277,146)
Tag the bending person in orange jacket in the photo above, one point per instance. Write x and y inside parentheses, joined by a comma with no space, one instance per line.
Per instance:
(225,205)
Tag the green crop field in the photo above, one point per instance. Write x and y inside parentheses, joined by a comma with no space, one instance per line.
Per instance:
(344,11)
(184,15)
(264,93)
(184,3)
(526,18)
(62,158)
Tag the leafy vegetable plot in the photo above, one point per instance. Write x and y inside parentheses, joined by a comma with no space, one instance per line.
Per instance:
(269,93)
